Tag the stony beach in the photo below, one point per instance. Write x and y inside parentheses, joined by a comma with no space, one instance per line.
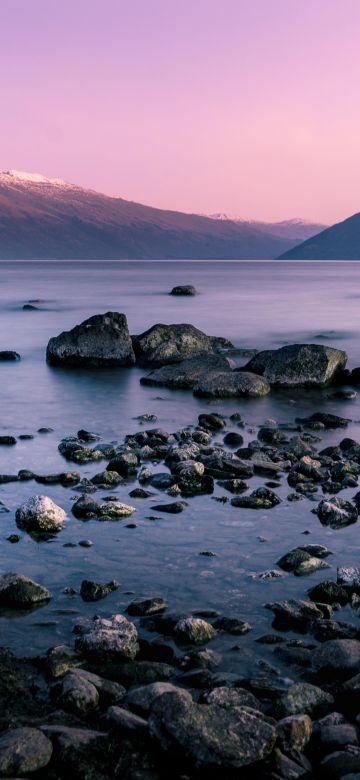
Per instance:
(143,692)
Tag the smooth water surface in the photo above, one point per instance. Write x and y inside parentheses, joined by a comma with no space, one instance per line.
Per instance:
(255,305)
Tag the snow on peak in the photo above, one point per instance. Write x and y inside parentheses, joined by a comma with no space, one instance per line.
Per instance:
(34,178)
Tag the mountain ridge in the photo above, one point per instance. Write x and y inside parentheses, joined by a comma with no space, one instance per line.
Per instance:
(338,242)
(51,218)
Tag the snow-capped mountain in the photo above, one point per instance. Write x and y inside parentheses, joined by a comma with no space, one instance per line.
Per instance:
(295,229)
(50,218)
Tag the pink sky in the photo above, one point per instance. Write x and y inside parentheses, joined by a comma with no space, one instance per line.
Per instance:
(245,106)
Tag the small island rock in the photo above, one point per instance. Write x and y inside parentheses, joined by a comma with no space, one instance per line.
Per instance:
(102,340)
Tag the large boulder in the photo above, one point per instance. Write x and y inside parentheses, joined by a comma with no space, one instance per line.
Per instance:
(102,340)
(188,373)
(209,735)
(40,514)
(163,344)
(231,384)
(298,365)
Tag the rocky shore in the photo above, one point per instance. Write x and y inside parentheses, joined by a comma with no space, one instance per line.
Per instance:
(142,695)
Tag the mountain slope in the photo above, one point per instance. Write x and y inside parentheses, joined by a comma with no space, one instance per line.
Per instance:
(296,230)
(339,242)
(48,218)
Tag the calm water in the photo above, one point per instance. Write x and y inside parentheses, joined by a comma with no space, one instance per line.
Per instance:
(256,305)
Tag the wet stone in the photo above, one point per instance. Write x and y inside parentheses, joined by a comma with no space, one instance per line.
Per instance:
(195,631)
(94,591)
(329,592)
(261,498)
(146,606)
(18,591)
(175,508)
(232,625)
(336,512)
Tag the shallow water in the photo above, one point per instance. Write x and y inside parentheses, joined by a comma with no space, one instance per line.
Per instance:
(256,305)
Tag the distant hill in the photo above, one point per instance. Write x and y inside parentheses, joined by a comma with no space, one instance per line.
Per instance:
(339,242)
(296,230)
(49,218)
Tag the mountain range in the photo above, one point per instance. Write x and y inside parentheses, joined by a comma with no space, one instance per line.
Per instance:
(50,218)
(339,242)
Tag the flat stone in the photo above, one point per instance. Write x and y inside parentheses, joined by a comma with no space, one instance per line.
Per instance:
(186,374)
(229,384)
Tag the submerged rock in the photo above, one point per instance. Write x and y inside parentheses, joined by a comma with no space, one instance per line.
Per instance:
(326,420)
(163,344)
(40,514)
(147,606)
(187,374)
(298,365)
(230,384)
(232,625)
(102,340)
(172,509)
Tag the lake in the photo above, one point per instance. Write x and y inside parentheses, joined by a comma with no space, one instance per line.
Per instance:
(257,305)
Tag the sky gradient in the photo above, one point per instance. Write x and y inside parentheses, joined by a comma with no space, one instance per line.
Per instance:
(249,107)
